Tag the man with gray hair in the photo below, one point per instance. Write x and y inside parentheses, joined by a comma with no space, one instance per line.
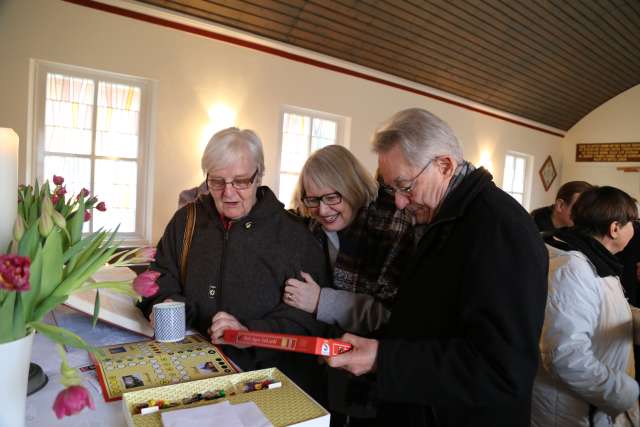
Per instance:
(461,347)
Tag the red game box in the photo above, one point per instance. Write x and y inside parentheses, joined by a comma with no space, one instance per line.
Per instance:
(286,342)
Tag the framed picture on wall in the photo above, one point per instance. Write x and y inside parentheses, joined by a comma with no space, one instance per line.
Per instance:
(548,173)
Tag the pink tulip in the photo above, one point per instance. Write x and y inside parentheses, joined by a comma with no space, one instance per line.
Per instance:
(83,193)
(58,180)
(101,206)
(14,273)
(145,284)
(72,400)
(54,199)
(144,255)
(87,216)
(61,191)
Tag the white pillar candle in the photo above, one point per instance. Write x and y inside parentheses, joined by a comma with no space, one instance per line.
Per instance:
(8,185)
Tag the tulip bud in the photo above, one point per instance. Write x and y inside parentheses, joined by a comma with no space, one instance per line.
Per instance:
(45,224)
(72,400)
(101,206)
(18,228)
(87,216)
(47,205)
(58,180)
(58,219)
(145,284)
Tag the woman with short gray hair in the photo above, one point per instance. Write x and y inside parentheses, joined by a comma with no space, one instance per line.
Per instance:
(242,247)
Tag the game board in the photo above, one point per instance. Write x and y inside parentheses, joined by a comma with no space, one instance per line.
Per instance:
(134,366)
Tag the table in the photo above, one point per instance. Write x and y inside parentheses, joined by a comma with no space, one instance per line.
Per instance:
(39,405)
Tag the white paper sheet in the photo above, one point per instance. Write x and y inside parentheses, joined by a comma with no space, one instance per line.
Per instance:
(221,414)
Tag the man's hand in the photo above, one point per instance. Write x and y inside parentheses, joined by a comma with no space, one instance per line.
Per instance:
(221,322)
(361,359)
(303,294)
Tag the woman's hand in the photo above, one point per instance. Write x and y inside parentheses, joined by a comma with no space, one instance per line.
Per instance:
(221,322)
(152,318)
(303,294)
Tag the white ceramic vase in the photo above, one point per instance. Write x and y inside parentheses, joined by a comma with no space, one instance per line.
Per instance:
(15,357)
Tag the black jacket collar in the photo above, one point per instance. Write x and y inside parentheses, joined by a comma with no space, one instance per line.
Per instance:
(455,204)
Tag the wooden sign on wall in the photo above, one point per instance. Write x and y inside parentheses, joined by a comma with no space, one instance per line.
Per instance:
(608,152)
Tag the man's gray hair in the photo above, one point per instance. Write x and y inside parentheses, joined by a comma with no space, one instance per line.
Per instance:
(420,135)
(226,145)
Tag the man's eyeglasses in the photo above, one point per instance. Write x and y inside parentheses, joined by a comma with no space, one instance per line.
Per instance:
(405,186)
(218,184)
(328,199)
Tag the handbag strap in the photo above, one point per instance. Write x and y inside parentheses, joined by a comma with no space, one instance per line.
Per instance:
(190,226)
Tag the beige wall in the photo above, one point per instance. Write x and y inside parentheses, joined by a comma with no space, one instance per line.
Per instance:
(617,120)
(194,73)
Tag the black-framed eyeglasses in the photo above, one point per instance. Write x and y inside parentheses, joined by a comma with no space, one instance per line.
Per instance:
(405,186)
(218,184)
(328,199)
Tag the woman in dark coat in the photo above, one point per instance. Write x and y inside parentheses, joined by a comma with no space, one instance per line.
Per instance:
(244,247)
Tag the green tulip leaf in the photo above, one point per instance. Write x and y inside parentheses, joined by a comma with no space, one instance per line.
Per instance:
(61,335)
(96,309)
(51,264)
(6,317)
(29,242)
(30,298)
(46,306)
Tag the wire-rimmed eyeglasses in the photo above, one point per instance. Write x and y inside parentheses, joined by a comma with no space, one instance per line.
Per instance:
(218,184)
(405,186)
(328,199)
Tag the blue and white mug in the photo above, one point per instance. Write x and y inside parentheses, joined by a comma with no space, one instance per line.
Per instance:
(169,319)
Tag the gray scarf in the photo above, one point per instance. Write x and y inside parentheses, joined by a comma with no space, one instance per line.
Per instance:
(463,169)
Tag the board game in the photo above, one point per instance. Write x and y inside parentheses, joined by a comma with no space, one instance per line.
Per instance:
(135,366)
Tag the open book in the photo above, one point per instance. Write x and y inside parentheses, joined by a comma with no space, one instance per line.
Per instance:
(115,308)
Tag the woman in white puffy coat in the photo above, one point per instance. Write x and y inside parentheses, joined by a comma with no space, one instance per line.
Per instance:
(586,375)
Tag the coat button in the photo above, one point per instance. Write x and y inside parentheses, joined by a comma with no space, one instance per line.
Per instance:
(248,225)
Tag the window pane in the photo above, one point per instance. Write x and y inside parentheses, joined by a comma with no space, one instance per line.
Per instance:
(323,133)
(287,185)
(75,170)
(116,185)
(68,114)
(118,120)
(507,181)
(295,142)
(518,179)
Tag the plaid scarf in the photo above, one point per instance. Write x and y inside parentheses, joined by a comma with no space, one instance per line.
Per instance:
(373,250)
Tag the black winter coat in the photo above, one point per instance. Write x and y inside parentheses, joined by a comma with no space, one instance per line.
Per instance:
(242,271)
(461,347)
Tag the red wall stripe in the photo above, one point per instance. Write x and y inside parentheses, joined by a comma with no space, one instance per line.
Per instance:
(294,57)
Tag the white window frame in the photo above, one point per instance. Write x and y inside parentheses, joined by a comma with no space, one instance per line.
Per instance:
(528,168)
(35,155)
(342,132)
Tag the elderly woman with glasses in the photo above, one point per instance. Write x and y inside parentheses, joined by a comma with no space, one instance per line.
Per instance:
(244,246)
(366,241)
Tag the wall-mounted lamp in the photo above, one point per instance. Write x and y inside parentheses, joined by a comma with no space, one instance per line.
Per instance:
(221,116)
(486,160)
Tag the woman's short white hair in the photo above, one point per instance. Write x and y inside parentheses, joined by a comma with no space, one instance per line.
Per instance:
(420,135)
(226,145)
